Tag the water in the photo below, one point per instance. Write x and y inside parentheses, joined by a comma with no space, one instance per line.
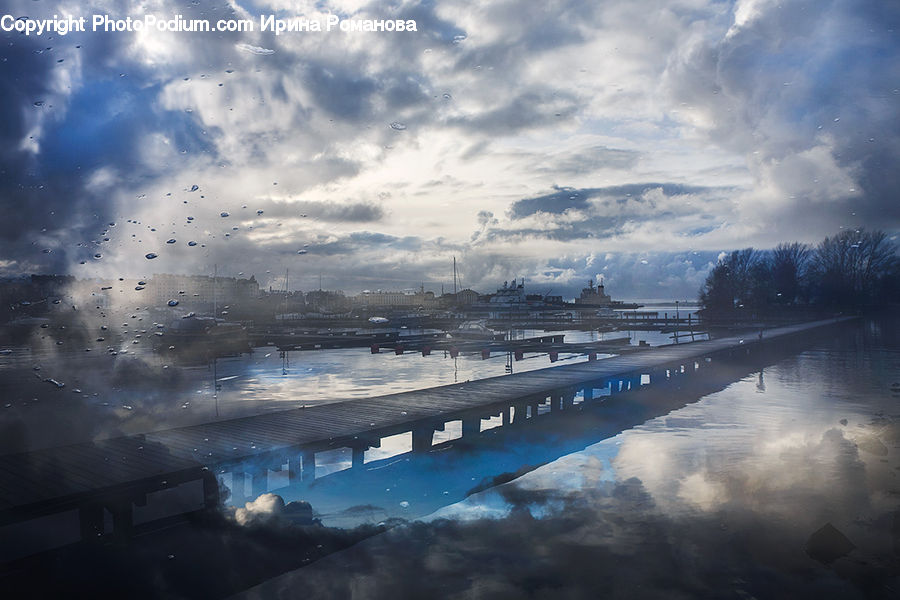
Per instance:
(786,483)
(771,478)
(164,394)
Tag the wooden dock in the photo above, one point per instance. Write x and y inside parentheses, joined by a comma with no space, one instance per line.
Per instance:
(118,474)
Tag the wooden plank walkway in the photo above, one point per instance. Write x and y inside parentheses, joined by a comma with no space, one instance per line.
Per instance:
(55,479)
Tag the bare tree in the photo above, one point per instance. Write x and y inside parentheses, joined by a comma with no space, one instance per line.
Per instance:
(851,264)
(789,266)
(730,281)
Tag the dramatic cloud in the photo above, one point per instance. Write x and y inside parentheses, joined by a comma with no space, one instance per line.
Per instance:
(581,129)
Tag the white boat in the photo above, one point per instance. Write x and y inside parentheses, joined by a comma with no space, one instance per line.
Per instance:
(474,330)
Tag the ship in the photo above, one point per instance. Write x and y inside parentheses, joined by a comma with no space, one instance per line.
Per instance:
(596,297)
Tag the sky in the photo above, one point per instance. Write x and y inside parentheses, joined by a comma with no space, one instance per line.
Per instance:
(558,141)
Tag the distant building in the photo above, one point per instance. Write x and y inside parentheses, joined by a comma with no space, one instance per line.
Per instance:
(199,290)
(324,301)
(383,299)
(466,297)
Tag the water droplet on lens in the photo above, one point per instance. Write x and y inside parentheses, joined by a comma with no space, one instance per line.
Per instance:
(192,243)
(170,241)
(194,188)
(173,302)
(259,212)
(398,126)
(150,256)
(223,214)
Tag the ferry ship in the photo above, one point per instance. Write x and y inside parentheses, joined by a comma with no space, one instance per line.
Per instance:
(596,297)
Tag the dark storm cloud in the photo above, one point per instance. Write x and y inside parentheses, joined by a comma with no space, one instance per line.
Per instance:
(567,198)
(55,135)
(561,200)
(41,200)
(340,93)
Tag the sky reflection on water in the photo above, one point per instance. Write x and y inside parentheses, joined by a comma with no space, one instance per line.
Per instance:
(720,498)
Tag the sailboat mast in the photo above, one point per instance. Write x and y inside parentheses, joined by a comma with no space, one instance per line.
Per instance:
(454,277)
(284,310)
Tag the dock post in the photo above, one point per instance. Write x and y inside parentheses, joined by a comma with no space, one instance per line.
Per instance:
(210,490)
(588,393)
(422,439)
(123,517)
(521,413)
(568,399)
(238,491)
(504,416)
(295,469)
(359,455)
(260,484)
(308,466)
(471,426)
(90,521)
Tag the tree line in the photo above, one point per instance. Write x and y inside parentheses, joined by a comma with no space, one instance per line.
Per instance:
(853,269)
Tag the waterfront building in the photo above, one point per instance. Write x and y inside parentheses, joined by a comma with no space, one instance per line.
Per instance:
(390,299)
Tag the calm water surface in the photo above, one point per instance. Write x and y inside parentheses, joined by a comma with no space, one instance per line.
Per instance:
(783,484)
(135,391)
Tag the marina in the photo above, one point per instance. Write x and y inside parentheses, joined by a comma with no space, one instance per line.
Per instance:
(112,477)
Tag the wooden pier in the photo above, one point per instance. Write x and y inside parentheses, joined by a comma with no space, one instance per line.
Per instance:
(119,474)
